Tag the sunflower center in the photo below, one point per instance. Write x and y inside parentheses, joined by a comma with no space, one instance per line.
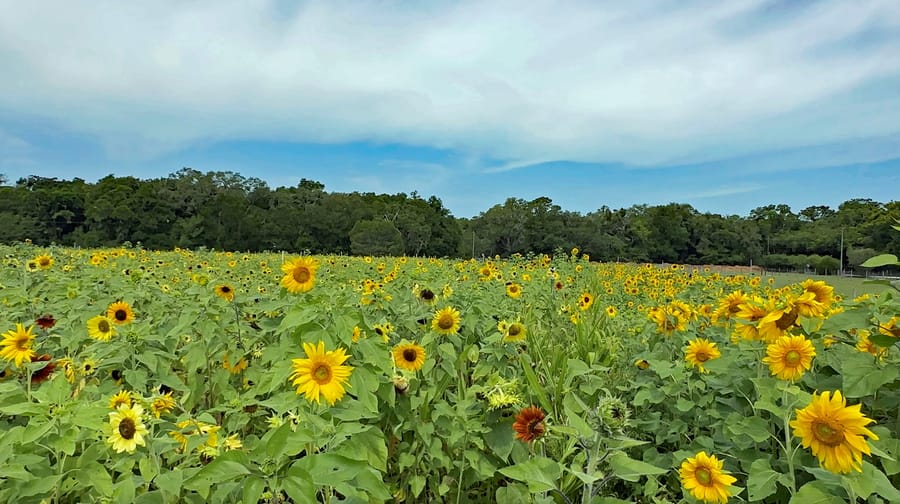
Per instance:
(427,295)
(515,330)
(23,343)
(445,322)
(825,433)
(44,261)
(792,358)
(704,476)
(702,357)
(410,354)
(127,428)
(226,289)
(322,374)
(302,274)
(121,315)
(786,320)
(103,326)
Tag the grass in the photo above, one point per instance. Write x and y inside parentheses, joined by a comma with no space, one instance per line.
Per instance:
(847,287)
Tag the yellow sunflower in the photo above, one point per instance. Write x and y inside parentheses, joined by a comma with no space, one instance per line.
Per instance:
(789,357)
(127,430)
(699,351)
(101,328)
(514,332)
(513,290)
(585,301)
(120,313)
(121,397)
(446,321)
(702,475)
(299,274)
(17,345)
(891,328)
(162,404)
(611,311)
(225,292)
(321,372)
(822,292)
(43,261)
(409,356)
(834,432)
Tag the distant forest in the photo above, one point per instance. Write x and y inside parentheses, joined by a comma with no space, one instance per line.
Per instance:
(227,211)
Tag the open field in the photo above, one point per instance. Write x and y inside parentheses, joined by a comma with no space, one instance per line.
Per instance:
(848,287)
(131,375)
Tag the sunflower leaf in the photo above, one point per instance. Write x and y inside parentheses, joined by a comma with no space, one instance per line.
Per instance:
(539,473)
(630,469)
(761,481)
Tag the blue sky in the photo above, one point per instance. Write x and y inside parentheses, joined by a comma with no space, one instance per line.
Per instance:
(723,105)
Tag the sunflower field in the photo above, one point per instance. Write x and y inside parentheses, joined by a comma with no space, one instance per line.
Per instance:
(131,375)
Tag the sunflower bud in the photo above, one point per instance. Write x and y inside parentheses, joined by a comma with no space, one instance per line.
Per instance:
(401,384)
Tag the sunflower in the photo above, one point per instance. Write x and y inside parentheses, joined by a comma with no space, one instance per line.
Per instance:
(700,351)
(45,321)
(702,475)
(235,368)
(513,290)
(17,345)
(789,357)
(891,328)
(834,432)
(777,320)
(446,321)
(822,292)
(529,424)
(409,356)
(120,313)
(127,429)
(101,328)
(427,295)
(299,274)
(43,261)
(585,301)
(225,292)
(611,311)
(162,404)
(383,330)
(43,374)
(321,372)
(749,315)
(119,398)
(514,332)
(730,305)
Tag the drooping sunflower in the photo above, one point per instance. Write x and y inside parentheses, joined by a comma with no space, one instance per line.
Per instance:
(515,332)
(101,328)
(45,321)
(17,345)
(119,398)
(127,430)
(891,328)
(321,373)
(409,356)
(162,404)
(834,432)
(702,475)
(789,357)
(730,305)
(120,313)
(299,274)
(513,290)
(529,424)
(427,295)
(225,292)
(446,321)
(778,320)
(823,292)
(699,351)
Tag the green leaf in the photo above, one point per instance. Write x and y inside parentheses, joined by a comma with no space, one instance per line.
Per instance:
(755,427)
(862,376)
(871,480)
(630,469)
(534,385)
(539,473)
(880,260)
(223,468)
(277,442)
(299,485)
(761,480)
(253,489)
(148,469)
(169,483)
(815,492)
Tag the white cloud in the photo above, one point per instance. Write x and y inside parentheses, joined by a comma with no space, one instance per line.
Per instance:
(637,82)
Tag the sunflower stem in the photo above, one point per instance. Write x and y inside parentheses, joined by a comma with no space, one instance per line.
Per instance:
(787,443)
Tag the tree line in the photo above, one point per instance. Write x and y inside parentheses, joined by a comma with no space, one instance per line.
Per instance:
(227,211)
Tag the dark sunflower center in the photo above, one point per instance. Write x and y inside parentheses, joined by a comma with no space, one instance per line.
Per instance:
(792,358)
(322,374)
(103,326)
(302,274)
(127,428)
(379,331)
(702,356)
(445,322)
(515,330)
(44,261)
(22,343)
(827,434)
(427,295)
(535,427)
(704,476)
(121,315)
(226,289)
(786,320)
(410,355)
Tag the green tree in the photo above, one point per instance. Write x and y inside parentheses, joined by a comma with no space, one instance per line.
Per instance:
(376,238)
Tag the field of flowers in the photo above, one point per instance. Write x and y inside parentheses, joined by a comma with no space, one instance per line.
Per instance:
(193,376)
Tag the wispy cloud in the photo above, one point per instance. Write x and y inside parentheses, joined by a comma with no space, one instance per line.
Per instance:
(644,82)
(729,190)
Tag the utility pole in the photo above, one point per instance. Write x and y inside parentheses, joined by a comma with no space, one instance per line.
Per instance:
(473,243)
(842,252)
